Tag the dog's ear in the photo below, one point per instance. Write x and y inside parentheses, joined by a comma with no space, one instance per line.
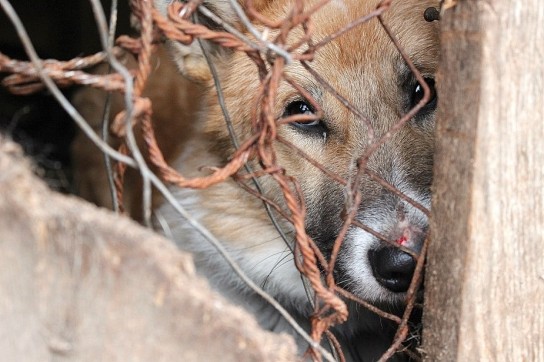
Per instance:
(190,59)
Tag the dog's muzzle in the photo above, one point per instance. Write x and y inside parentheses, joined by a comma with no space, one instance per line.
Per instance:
(392,268)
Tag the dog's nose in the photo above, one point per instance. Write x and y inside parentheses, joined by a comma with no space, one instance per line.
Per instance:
(392,268)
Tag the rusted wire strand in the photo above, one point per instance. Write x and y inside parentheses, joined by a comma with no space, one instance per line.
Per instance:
(107,112)
(402,330)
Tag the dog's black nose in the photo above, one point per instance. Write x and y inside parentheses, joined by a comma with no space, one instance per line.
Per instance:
(392,268)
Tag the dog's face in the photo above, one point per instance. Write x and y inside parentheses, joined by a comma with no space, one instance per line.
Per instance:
(365,68)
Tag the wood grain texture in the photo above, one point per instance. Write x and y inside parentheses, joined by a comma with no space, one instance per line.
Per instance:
(81,284)
(485,276)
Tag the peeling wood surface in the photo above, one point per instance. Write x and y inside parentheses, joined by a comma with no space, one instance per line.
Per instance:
(80,284)
(485,275)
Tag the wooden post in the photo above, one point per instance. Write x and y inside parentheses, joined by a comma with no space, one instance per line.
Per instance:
(485,275)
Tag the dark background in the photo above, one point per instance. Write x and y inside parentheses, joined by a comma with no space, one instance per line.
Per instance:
(59,29)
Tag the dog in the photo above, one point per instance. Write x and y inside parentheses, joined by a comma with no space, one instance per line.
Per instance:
(365,67)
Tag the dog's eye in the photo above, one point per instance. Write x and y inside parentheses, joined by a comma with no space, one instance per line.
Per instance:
(303,108)
(313,126)
(418,93)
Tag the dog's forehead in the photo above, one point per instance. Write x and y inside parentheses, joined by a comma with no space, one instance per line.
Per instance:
(363,62)
(362,65)
(368,42)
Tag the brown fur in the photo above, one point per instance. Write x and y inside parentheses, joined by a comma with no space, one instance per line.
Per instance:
(175,103)
(364,67)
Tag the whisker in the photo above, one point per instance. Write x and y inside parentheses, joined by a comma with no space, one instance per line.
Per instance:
(276,266)
(288,233)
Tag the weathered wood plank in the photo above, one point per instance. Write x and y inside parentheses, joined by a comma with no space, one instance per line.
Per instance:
(81,284)
(485,275)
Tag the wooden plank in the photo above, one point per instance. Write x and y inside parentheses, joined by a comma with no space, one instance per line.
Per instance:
(82,284)
(485,274)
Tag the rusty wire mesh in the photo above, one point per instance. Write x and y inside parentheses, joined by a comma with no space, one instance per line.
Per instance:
(270,58)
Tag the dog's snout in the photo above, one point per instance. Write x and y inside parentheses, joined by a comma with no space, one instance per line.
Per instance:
(392,268)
